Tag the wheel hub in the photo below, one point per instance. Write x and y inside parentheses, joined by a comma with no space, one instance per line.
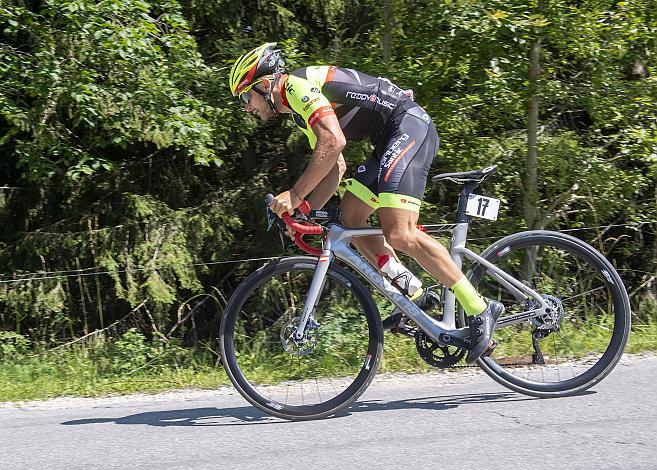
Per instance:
(308,341)
(552,319)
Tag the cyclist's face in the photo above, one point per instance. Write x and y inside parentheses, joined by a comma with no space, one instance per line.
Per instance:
(255,103)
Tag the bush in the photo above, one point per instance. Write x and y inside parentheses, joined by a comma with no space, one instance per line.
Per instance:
(13,346)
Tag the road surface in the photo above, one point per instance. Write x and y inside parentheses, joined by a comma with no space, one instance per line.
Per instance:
(439,420)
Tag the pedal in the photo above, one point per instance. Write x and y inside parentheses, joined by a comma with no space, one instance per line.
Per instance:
(404,329)
(399,324)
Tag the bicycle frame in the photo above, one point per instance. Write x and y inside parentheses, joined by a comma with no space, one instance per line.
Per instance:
(337,244)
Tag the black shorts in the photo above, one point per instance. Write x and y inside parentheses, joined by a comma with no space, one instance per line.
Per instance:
(396,173)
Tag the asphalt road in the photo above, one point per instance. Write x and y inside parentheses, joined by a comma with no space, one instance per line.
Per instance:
(462,420)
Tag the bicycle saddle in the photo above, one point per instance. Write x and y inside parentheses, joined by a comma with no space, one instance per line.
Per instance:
(474,176)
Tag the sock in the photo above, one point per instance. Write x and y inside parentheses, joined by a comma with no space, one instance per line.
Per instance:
(468,297)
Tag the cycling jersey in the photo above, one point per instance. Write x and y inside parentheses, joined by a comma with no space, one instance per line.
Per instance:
(367,107)
(363,103)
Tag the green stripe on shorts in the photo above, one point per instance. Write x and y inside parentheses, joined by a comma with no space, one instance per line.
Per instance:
(400,201)
(362,192)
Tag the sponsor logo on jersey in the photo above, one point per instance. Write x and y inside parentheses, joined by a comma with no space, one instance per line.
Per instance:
(357,96)
(304,99)
(289,88)
(395,90)
(425,117)
(361,169)
(372,98)
(314,89)
(314,100)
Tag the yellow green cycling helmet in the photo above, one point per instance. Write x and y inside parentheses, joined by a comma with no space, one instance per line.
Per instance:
(252,66)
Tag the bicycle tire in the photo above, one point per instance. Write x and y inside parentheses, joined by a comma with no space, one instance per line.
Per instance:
(609,282)
(296,271)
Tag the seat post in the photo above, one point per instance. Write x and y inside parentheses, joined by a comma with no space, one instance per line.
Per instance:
(467,189)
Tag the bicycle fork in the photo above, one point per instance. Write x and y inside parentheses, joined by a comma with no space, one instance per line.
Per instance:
(316,287)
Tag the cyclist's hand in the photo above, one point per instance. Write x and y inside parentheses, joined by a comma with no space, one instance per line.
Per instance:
(284,202)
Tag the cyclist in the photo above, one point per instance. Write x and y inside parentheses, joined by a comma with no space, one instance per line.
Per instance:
(331,105)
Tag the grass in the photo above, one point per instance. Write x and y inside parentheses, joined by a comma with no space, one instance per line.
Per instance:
(131,364)
(105,367)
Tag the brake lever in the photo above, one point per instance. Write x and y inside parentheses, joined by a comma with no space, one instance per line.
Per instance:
(273,219)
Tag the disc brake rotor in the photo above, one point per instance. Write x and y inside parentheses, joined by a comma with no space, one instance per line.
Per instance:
(552,319)
(306,344)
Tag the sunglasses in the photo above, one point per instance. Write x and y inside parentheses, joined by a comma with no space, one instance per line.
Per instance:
(246,96)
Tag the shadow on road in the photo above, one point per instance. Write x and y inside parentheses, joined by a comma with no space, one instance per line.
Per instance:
(248,415)
(445,402)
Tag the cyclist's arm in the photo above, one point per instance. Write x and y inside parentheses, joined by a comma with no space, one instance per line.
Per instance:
(326,158)
(315,115)
(327,187)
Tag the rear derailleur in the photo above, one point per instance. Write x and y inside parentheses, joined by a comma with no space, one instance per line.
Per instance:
(546,324)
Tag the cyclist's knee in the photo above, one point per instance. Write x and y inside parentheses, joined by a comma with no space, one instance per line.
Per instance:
(400,238)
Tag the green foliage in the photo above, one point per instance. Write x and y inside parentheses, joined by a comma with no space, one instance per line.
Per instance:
(131,352)
(12,346)
(104,366)
(88,83)
(115,116)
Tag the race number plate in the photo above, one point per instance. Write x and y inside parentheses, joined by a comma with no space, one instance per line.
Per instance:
(482,206)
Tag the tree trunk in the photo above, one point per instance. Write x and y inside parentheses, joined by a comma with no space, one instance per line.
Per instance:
(530,196)
(387,35)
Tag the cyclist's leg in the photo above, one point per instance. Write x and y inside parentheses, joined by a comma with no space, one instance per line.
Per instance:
(355,213)
(400,229)
(402,179)
(359,202)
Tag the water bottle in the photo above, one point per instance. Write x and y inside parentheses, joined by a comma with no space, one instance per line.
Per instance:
(399,275)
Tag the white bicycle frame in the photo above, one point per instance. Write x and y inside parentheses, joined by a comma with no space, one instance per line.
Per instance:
(337,244)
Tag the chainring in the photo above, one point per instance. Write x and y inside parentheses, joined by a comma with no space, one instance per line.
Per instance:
(436,355)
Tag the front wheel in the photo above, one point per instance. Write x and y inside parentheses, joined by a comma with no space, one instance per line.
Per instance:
(582,338)
(308,378)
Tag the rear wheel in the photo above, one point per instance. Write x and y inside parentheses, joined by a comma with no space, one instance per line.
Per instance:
(581,340)
(318,375)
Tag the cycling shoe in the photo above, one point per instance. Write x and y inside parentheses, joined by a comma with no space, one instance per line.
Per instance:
(481,331)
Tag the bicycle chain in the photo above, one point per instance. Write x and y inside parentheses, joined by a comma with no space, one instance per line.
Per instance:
(427,355)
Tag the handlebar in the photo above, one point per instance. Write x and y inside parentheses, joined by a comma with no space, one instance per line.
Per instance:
(304,208)
(301,228)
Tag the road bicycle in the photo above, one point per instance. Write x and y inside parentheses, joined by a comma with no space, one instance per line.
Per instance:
(301,337)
